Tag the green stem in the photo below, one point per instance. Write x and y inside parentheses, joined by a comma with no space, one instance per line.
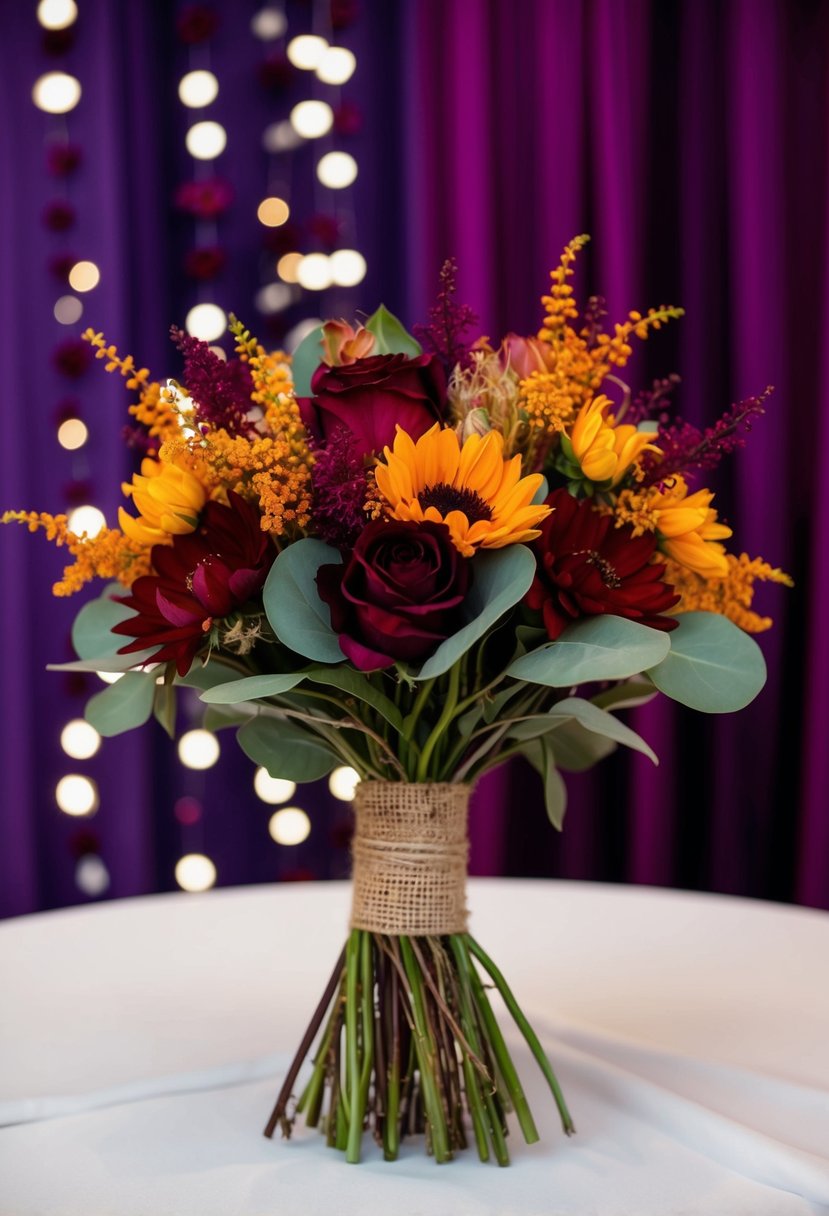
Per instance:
(440,726)
(410,722)
(352,1054)
(426,1056)
(526,1029)
(502,1056)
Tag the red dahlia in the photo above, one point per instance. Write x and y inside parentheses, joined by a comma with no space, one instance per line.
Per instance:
(587,567)
(200,578)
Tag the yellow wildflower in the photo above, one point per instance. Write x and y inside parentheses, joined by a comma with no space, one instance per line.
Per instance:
(604,451)
(109,554)
(730,596)
(169,500)
(686,524)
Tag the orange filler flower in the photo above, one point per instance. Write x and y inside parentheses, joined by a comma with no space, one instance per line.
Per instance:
(482,498)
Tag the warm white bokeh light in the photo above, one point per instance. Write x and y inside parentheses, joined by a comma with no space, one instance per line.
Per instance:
(110,677)
(336,65)
(198,89)
(68,310)
(268,23)
(86,519)
(273,212)
(289,826)
(80,739)
(273,297)
(206,140)
(91,875)
(57,14)
(206,322)
(280,137)
(272,789)
(310,119)
(343,782)
(198,749)
(314,272)
(195,872)
(56,92)
(84,276)
(72,434)
(76,795)
(306,51)
(288,266)
(348,267)
(336,170)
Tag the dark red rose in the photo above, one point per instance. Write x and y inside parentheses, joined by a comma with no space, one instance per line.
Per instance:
(587,567)
(205,262)
(371,397)
(398,594)
(58,215)
(205,200)
(196,23)
(72,357)
(200,578)
(63,159)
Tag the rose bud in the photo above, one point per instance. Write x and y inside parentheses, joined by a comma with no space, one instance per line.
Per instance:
(397,595)
(476,422)
(342,344)
(525,355)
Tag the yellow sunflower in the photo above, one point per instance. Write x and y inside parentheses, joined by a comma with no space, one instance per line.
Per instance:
(482,498)
(169,499)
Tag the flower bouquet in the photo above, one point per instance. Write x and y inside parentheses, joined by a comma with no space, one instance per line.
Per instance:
(418,556)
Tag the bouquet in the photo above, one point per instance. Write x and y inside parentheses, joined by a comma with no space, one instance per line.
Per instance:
(418,556)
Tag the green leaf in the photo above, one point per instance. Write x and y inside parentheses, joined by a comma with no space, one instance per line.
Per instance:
(500,579)
(596,721)
(164,702)
(595,648)
(494,705)
(124,705)
(305,360)
(93,639)
(285,749)
(219,717)
(293,607)
(357,684)
(576,749)
(390,336)
(713,666)
(208,675)
(251,688)
(626,695)
(541,757)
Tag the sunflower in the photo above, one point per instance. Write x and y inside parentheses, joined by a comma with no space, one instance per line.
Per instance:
(169,499)
(482,498)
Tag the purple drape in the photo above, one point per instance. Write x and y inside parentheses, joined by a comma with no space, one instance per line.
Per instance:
(688,138)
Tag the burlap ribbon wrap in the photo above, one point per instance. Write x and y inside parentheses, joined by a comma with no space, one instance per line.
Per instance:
(410,851)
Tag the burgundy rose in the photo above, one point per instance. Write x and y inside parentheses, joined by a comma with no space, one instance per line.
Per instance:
(371,397)
(588,567)
(58,215)
(398,594)
(200,578)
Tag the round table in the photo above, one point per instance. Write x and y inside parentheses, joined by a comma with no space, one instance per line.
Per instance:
(143,1043)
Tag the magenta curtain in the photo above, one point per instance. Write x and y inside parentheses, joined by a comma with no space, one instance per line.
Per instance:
(689,139)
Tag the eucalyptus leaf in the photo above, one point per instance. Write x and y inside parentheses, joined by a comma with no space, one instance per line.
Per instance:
(93,639)
(626,695)
(124,705)
(219,717)
(208,675)
(541,757)
(500,579)
(595,720)
(250,688)
(297,615)
(164,707)
(494,705)
(576,749)
(305,360)
(391,337)
(595,648)
(285,749)
(357,684)
(713,666)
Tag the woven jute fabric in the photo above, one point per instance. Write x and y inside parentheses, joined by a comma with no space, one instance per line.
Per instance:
(410,851)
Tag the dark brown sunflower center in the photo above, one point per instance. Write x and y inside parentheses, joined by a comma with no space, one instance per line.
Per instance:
(446,498)
(606,571)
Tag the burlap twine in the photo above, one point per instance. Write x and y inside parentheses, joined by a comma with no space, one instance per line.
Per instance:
(409,852)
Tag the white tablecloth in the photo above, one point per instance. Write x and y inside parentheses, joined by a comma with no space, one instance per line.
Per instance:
(143,1044)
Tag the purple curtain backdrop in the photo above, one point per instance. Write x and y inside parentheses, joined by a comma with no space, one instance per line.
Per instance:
(688,138)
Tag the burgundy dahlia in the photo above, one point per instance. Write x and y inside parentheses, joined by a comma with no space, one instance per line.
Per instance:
(588,567)
(199,579)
